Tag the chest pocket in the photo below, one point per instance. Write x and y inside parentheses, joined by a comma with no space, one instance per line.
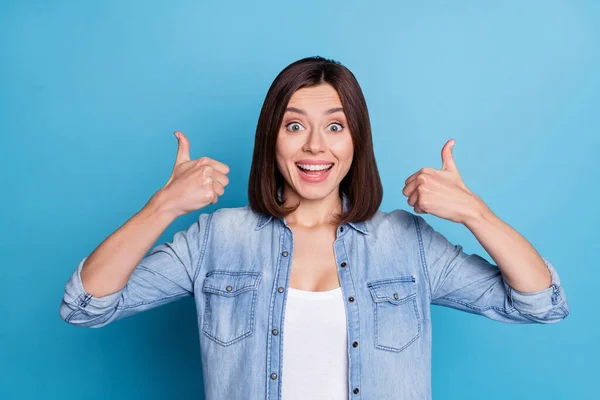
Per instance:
(230,299)
(397,322)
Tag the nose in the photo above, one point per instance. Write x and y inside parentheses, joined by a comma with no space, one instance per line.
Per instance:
(315,142)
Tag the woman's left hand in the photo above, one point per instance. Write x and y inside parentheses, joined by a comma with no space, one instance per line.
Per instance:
(442,192)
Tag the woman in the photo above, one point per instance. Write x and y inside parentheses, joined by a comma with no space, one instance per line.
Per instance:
(312,258)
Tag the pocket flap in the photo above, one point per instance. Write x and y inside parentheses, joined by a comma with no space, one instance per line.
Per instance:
(229,283)
(394,290)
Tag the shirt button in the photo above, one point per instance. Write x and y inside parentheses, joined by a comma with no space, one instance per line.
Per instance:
(274,331)
(280,289)
(274,376)
(396,296)
(229,288)
(285,254)
(343,264)
(354,344)
(350,299)
(342,229)
(355,390)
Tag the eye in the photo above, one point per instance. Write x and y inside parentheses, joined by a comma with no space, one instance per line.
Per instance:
(294,126)
(338,127)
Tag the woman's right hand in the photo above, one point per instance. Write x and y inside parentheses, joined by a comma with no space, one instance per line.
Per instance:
(193,184)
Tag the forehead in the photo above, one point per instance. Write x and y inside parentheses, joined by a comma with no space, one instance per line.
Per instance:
(316,97)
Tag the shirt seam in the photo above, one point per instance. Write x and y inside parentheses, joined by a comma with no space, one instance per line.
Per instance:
(510,310)
(142,303)
(203,249)
(422,254)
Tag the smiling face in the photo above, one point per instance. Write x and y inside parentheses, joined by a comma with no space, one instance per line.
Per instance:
(314,146)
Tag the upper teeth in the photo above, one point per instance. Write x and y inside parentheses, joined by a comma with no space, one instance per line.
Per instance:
(313,167)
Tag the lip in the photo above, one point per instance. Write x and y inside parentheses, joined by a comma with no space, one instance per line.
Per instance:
(314,179)
(314,162)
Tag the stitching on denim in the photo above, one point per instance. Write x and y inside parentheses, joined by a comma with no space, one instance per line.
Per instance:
(232,273)
(378,299)
(398,349)
(142,303)
(349,270)
(422,253)
(253,285)
(282,316)
(71,315)
(509,295)
(405,278)
(80,300)
(271,308)
(202,251)
(87,300)
(503,310)
(248,332)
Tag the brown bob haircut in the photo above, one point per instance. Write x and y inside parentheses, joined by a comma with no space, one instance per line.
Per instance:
(362,184)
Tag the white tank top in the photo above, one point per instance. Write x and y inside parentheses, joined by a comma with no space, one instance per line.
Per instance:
(315,346)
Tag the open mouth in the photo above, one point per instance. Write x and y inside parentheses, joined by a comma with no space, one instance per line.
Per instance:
(314,170)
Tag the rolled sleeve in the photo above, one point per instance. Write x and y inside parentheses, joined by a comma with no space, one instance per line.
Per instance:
(470,283)
(547,305)
(166,274)
(76,298)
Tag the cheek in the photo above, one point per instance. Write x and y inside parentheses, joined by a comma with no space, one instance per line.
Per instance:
(284,147)
(343,149)
(281,156)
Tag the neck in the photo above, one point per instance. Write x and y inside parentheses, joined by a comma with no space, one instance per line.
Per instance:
(312,213)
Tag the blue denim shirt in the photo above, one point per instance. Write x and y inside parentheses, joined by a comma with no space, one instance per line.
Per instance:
(236,264)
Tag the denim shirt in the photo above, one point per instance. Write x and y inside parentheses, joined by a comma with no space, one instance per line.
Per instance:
(236,264)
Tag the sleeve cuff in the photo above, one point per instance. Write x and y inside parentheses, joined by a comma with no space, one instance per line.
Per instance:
(540,302)
(75,294)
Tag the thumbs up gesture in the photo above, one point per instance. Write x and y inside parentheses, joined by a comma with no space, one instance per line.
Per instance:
(442,192)
(193,184)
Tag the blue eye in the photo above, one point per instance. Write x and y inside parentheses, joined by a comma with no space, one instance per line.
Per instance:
(337,129)
(296,128)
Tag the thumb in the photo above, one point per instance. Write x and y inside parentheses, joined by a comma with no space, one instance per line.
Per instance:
(183,149)
(447,157)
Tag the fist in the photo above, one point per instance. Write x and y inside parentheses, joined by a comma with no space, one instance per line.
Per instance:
(193,184)
(442,192)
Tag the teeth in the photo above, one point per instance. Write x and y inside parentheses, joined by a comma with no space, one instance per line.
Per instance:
(311,167)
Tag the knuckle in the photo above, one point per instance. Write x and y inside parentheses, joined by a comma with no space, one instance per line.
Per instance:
(207,196)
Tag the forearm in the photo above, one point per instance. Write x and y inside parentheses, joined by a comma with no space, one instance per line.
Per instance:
(522,266)
(109,266)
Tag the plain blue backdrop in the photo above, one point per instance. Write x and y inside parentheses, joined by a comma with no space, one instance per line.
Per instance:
(91,92)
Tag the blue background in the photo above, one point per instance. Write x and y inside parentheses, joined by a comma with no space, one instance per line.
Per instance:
(91,92)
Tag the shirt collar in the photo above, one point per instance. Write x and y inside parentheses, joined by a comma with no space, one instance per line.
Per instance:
(359,226)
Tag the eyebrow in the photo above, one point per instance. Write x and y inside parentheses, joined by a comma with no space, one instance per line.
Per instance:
(300,111)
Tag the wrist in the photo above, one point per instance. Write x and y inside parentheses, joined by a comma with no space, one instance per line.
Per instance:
(478,213)
(160,205)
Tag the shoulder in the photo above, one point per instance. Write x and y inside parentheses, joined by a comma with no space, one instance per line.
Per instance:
(232,219)
(396,220)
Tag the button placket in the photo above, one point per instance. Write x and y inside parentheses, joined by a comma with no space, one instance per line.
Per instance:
(274,345)
(352,311)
